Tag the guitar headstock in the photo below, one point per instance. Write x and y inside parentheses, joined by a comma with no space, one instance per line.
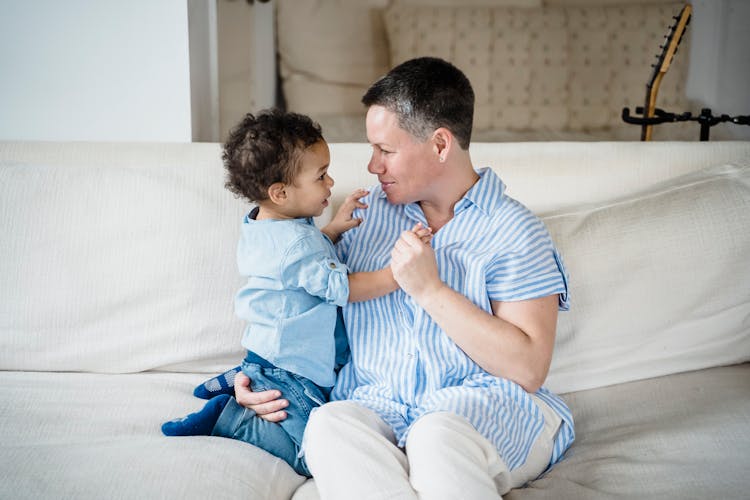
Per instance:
(671,42)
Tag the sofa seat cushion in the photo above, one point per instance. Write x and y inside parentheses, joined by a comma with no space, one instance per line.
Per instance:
(75,435)
(97,436)
(678,436)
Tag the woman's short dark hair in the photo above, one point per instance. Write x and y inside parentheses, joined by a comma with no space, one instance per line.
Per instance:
(265,149)
(425,94)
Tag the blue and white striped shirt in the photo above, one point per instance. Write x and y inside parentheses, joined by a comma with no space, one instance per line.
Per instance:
(403,365)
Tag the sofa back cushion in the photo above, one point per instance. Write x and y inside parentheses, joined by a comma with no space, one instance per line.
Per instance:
(654,236)
(659,281)
(117,258)
(121,257)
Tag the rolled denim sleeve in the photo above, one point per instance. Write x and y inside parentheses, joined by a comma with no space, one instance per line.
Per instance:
(312,266)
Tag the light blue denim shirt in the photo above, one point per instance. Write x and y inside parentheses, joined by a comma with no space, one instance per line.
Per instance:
(295,284)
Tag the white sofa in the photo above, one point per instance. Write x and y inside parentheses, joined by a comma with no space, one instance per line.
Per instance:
(117,276)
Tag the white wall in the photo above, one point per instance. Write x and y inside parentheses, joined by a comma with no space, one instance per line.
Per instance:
(94,70)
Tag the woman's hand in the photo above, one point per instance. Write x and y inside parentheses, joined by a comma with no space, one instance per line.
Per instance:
(413,262)
(266,404)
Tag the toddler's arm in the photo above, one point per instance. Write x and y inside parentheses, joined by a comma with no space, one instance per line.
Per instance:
(343,220)
(373,284)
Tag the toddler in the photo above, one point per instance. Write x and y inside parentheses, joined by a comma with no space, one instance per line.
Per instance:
(294,336)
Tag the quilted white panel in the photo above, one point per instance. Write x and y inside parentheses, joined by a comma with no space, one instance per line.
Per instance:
(552,68)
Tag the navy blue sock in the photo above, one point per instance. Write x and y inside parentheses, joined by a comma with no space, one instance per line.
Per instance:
(220,384)
(200,423)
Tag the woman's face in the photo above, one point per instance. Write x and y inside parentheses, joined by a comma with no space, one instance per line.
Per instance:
(400,161)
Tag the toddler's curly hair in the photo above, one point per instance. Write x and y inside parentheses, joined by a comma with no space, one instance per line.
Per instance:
(265,149)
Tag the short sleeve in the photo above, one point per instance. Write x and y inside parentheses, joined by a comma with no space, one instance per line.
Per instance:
(529,268)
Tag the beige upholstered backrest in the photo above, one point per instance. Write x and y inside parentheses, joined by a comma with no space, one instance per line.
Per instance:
(554,65)
(558,68)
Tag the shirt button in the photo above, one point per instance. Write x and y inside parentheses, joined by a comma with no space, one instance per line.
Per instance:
(332,265)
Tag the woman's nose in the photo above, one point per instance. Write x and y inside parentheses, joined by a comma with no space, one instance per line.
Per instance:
(374,167)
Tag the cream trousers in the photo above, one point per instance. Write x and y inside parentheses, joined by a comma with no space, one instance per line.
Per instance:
(351,453)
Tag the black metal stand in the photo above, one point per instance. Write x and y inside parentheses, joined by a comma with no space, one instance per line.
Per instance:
(706,119)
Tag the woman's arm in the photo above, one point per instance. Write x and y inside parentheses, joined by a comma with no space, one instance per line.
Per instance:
(514,342)
(266,404)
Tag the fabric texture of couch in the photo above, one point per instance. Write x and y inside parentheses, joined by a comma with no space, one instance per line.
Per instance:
(117,277)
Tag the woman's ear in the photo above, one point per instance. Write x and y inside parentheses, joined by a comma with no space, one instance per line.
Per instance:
(277,193)
(442,140)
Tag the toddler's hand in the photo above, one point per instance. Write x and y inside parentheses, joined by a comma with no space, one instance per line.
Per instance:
(343,221)
(423,233)
(352,202)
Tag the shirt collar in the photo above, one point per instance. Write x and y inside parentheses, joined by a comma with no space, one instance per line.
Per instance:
(486,194)
(250,217)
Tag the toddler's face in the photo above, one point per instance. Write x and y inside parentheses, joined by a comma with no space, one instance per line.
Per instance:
(309,193)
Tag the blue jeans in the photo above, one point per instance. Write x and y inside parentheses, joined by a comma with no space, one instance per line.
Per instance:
(282,439)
